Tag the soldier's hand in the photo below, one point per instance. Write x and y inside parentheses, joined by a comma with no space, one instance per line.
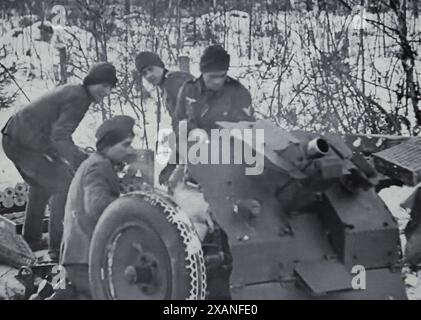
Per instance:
(165,174)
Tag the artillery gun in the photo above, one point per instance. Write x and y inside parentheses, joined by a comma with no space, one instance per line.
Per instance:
(298,230)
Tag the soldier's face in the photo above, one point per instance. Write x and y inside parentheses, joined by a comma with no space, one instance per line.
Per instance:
(122,151)
(153,74)
(100,91)
(214,80)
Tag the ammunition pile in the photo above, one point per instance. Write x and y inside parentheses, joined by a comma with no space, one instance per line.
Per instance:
(14,199)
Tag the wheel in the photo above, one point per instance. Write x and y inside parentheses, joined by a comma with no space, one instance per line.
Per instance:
(145,248)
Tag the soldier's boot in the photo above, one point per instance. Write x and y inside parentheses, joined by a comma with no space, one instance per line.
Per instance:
(218,285)
(166,173)
(218,274)
(34,216)
(57,205)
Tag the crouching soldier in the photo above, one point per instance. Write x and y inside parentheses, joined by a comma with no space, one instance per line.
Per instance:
(202,102)
(38,140)
(94,186)
(153,70)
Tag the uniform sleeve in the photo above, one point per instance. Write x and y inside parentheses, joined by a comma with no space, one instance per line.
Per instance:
(174,86)
(100,189)
(62,131)
(180,109)
(243,110)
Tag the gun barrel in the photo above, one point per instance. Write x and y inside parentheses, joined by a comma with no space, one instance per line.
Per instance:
(317,148)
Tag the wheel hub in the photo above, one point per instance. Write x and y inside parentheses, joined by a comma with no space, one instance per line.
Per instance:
(144,274)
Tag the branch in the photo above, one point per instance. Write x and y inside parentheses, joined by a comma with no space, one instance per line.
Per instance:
(14,80)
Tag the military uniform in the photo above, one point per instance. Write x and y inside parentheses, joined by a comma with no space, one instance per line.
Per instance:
(172,80)
(38,140)
(170,86)
(203,107)
(94,186)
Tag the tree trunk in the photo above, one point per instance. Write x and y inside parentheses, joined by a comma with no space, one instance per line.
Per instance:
(63,65)
(250,30)
(127,6)
(407,56)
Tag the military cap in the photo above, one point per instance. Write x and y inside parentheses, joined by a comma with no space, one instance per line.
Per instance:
(147,58)
(113,131)
(214,58)
(102,72)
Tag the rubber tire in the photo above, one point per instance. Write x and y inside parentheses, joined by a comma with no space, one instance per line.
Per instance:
(135,208)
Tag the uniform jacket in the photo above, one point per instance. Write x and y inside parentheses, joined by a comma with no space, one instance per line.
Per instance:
(94,186)
(203,108)
(171,85)
(47,124)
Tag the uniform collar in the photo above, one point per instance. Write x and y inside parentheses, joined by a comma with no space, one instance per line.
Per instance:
(90,97)
(202,87)
(103,156)
(164,77)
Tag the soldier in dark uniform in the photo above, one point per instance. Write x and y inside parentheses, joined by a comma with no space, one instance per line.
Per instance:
(213,97)
(94,186)
(38,140)
(153,70)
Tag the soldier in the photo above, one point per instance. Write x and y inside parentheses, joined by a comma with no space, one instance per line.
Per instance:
(213,97)
(94,186)
(38,140)
(151,67)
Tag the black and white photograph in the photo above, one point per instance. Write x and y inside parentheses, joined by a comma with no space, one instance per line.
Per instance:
(219,150)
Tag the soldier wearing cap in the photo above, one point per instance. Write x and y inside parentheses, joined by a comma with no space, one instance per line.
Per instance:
(38,140)
(213,97)
(153,70)
(94,186)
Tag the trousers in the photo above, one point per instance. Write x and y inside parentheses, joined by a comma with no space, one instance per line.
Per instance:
(48,182)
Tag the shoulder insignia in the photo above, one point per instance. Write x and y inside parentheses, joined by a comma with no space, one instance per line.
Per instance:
(191,100)
(248,111)
(232,81)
